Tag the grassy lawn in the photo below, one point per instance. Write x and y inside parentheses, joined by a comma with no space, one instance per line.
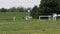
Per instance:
(21,26)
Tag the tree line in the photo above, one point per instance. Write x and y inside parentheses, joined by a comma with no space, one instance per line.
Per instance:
(46,7)
(14,9)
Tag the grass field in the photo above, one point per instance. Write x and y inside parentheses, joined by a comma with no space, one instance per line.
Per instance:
(21,26)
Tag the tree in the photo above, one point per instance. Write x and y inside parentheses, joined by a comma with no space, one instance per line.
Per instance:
(21,9)
(34,12)
(13,9)
(48,7)
(3,10)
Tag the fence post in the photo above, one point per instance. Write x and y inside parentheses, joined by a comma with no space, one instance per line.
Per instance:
(39,17)
(49,18)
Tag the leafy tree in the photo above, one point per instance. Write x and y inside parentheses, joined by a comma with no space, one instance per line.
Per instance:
(13,9)
(3,10)
(21,9)
(48,7)
(34,12)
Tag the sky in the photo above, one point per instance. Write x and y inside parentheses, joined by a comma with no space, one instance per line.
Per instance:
(19,3)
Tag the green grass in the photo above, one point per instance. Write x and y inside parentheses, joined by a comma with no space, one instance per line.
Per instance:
(21,26)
